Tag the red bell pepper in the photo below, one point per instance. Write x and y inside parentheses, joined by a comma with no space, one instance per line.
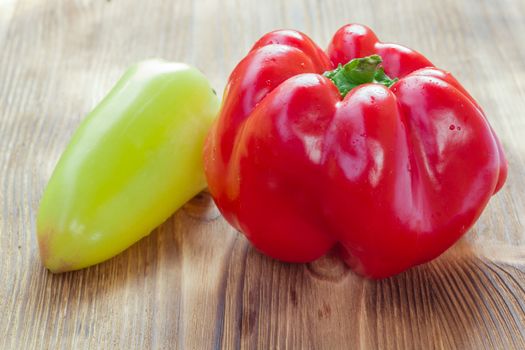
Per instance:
(393,173)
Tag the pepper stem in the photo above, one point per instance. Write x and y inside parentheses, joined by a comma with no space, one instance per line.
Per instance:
(357,72)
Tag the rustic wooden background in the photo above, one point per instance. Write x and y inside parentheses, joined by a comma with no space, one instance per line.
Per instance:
(195,283)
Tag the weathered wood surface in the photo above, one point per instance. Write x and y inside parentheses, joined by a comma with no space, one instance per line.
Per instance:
(195,283)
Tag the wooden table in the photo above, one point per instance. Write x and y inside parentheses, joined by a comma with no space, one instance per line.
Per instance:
(195,283)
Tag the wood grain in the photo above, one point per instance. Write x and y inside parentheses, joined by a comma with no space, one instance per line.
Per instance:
(195,283)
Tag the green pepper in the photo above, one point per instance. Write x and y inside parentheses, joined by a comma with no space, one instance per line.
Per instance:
(133,161)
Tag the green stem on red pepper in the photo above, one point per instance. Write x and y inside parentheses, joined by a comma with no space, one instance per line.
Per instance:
(357,72)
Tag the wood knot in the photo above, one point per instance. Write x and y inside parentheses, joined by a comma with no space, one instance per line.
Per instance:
(329,267)
(202,207)
(293,297)
(324,312)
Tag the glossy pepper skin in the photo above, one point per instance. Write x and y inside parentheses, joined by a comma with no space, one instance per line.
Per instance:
(393,176)
(134,160)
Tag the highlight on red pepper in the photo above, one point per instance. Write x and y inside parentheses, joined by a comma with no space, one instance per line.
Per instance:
(367,146)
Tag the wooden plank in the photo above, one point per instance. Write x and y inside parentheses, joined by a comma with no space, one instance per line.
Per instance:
(194,282)
(6,12)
